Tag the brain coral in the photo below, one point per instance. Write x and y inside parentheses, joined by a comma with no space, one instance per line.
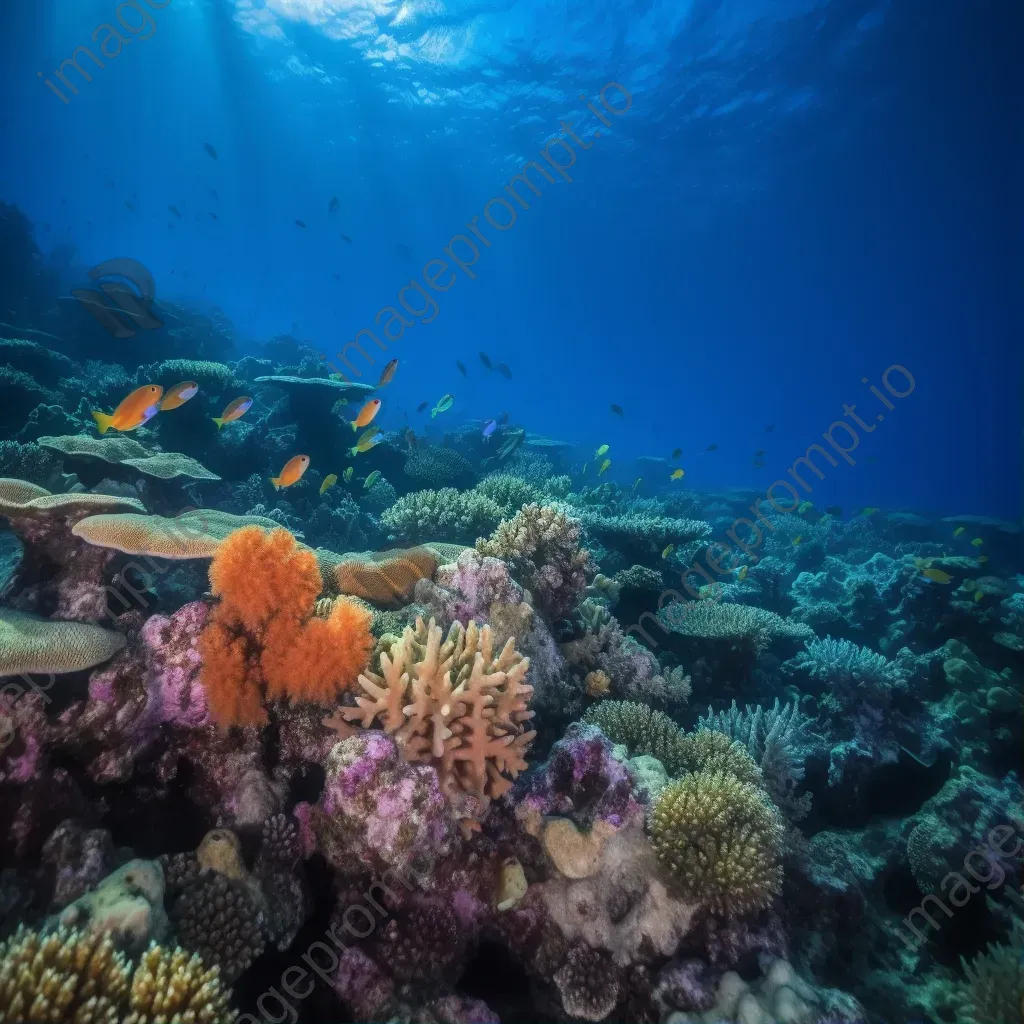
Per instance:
(721,839)
(453,703)
(29,644)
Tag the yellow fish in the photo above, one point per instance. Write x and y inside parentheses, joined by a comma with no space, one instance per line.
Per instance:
(604,466)
(234,410)
(178,395)
(798,539)
(292,472)
(977,542)
(742,574)
(804,506)
(937,576)
(366,441)
(959,530)
(978,595)
(869,511)
(677,474)
(141,405)
(371,479)
(669,548)
(347,475)
(601,451)
(329,481)
(982,559)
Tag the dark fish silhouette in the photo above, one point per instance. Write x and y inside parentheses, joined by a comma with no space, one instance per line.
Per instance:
(347,239)
(677,453)
(422,406)
(213,215)
(209,149)
(334,205)
(336,276)
(504,371)
(462,369)
(769,428)
(617,409)
(175,211)
(129,205)
(486,360)
(711,448)
(759,453)
(213,192)
(503,419)
(300,223)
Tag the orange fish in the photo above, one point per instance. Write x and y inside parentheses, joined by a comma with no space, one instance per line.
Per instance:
(366,414)
(141,405)
(387,373)
(292,472)
(179,395)
(234,410)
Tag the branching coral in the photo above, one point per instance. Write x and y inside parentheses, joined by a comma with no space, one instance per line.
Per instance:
(436,465)
(453,515)
(542,545)
(263,638)
(451,702)
(854,672)
(995,980)
(720,838)
(509,493)
(641,730)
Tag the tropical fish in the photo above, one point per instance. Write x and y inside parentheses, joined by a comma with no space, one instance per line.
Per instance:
(804,507)
(668,549)
(959,530)
(798,539)
(387,373)
(366,442)
(769,428)
(677,453)
(637,482)
(178,395)
(347,239)
(213,215)
(486,360)
(141,405)
(234,410)
(366,414)
(937,576)
(371,479)
(209,149)
(329,481)
(869,511)
(617,409)
(742,574)
(604,466)
(213,192)
(978,595)
(601,451)
(292,472)
(300,223)
(347,475)
(446,402)
(422,406)
(490,427)
(504,371)
(711,448)
(982,559)
(334,205)
(677,474)
(977,542)
(759,453)
(583,471)
(462,368)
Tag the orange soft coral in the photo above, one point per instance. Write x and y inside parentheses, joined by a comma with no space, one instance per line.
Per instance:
(263,640)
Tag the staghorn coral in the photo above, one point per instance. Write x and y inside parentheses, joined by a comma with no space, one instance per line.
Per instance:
(542,548)
(451,702)
(29,644)
(193,534)
(757,628)
(455,515)
(264,640)
(720,839)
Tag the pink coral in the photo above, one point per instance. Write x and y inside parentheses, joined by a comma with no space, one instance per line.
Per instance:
(175,694)
(479,581)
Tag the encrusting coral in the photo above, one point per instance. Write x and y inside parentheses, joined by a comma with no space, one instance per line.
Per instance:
(264,640)
(451,702)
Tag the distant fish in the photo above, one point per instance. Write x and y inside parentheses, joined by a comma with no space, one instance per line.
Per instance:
(366,414)
(347,475)
(175,211)
(869,511)
(759,453)
(769,428)
(804,506)
(371,479)
(977,542)
(637,482)
(797,540)
(677,474)
(129,205)
(209,149)
(213,215)
(490,427)
(504,371)
(486,360)
(711,448)
(366,441)
(446,402)
(138,408)
(959,531)
(292,472)
(668,549)
(422,406)
(462,368)
(178,395)
(300,223)
(234,410)
(982,559)
(329,481)
(604,466)
(617,409)
(213,192)
(742,574)
(677,453)
(387,373)
(503,419)
(937,576)
(334,205)
(601,451)
(583,471)
(347,239)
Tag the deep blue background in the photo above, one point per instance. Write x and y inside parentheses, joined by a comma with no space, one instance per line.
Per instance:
(801,195)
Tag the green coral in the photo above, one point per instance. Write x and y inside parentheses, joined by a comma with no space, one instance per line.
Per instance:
(641,730)
(510,493)
(995,979)
(721,841)
(731,623)
(448,513)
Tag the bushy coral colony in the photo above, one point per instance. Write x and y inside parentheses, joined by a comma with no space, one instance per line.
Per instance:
(468,739)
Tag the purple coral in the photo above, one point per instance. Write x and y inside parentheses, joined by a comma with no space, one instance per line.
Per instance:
(175,694)
(479,581)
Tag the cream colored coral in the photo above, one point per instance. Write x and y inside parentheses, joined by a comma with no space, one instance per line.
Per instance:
(174,985)
(30,644)
(449,701)
(574,853)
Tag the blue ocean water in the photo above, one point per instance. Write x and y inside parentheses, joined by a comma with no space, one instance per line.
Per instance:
(800,195)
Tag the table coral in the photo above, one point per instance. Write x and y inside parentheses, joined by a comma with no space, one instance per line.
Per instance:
(30,644)
(454,703)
